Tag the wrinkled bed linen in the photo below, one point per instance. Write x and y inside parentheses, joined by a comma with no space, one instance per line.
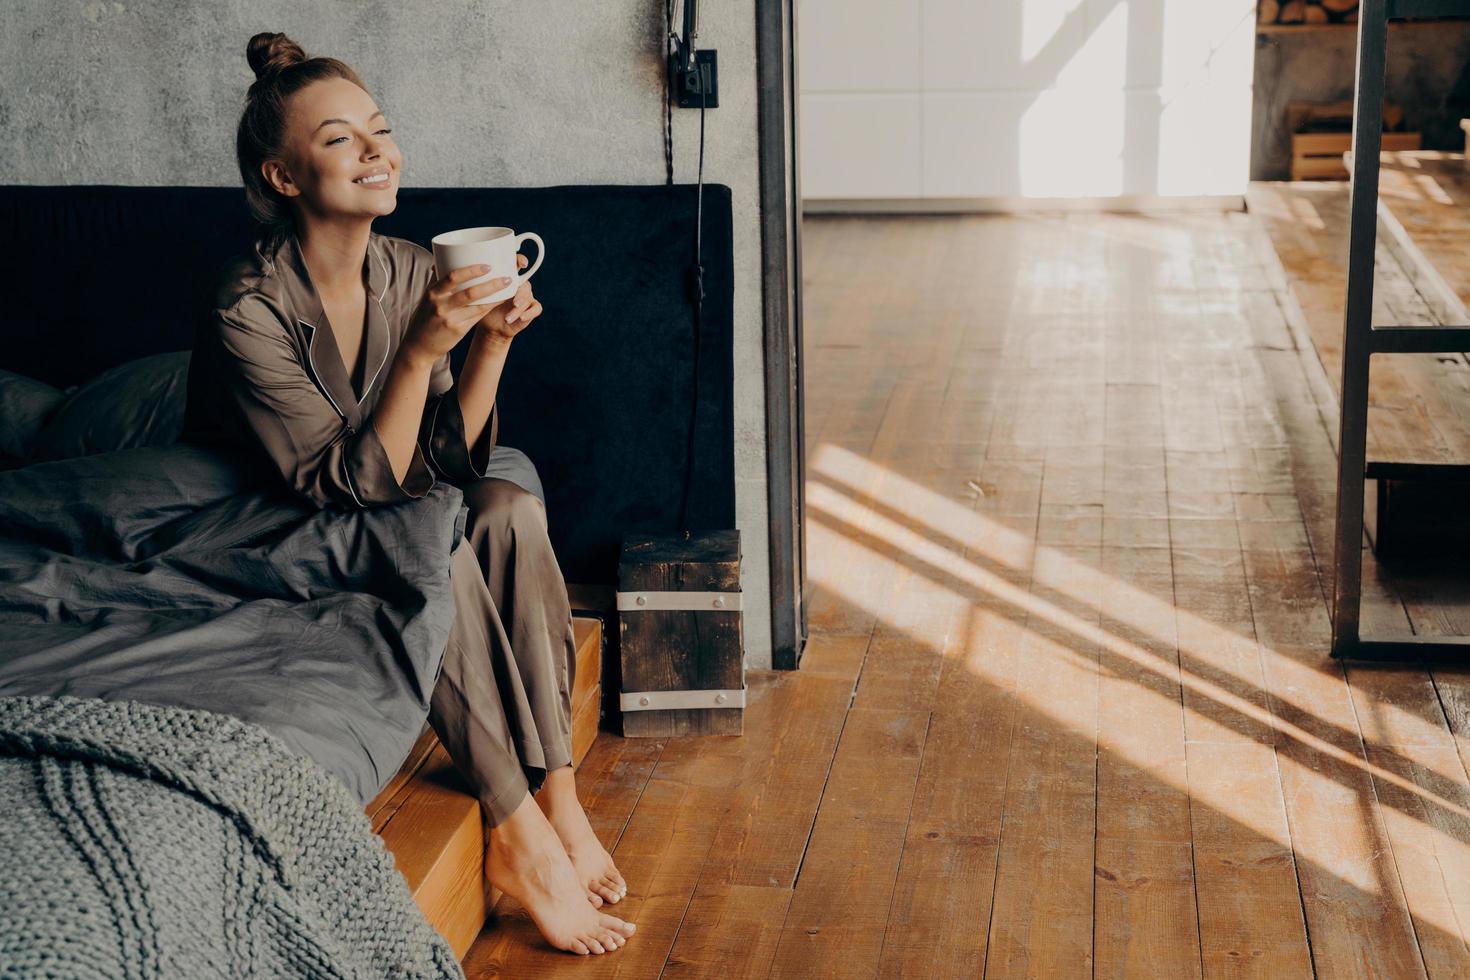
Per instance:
(172,576)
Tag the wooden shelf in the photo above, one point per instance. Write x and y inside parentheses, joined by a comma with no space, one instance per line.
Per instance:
(1264,29)
(1300,28)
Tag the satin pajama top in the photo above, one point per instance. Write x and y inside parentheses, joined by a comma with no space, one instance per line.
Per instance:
(266,377)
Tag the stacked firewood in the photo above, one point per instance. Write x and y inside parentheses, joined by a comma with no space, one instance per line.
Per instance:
(1307,11)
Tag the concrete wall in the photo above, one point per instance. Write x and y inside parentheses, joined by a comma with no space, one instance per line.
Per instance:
(479,92)
(1036,99)
(1425,64)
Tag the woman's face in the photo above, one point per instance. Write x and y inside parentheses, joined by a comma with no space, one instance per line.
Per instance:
(339,159)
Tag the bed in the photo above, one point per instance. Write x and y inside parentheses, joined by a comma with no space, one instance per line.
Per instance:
(135,568)
(95,489)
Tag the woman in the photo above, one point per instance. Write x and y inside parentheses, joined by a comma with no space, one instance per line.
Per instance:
(328,356)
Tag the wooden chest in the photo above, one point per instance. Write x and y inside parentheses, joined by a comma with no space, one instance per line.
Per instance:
(682,656)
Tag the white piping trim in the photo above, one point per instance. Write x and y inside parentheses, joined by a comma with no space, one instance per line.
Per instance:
(385,272)
(320,384)
(347,472)
(369,386)
(379,300)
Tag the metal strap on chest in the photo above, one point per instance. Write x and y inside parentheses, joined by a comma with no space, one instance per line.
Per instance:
(680,700)
(684,601)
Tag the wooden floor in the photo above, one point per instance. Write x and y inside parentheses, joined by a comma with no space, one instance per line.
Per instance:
(1066,709)
(1428,194)
(1418,410)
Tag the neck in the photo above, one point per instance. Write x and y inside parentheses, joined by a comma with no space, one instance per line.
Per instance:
(335,252)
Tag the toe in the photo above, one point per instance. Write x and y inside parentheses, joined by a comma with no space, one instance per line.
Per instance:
(610,941)
(605,893)
(614,924)
(578,947)
(594,945)
(595,897)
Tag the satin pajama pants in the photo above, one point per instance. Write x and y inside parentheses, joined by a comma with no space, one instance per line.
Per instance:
(502,706)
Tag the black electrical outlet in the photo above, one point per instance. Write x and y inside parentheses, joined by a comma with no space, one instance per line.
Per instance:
(689,81)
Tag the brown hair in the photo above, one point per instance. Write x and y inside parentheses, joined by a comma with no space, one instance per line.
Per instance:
(281,70)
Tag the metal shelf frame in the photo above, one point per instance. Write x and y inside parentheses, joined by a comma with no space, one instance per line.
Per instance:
(1361,340)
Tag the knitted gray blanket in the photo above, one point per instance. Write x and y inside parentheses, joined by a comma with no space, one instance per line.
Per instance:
(144,841)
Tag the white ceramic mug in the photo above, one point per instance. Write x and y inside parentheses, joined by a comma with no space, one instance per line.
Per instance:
(495,247)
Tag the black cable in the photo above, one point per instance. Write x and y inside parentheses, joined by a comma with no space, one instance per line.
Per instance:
(696,288)
(668,95)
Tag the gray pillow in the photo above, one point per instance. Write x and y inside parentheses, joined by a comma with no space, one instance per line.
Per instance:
(140,403)
(25,404)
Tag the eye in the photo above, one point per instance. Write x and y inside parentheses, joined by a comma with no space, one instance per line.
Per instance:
(333,142)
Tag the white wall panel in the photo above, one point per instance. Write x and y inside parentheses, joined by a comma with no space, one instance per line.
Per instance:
(997,46)
(860,145)
(1029,98)
(969,143)
(1204,140)
(859,45)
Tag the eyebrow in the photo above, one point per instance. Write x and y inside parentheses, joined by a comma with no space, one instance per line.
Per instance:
(327,122)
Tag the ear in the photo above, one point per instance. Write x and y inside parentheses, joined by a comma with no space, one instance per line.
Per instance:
(276,175)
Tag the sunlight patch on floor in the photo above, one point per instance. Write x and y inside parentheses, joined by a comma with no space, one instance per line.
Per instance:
(912,531)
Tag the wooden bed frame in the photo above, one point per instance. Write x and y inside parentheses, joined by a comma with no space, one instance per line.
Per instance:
(430,822)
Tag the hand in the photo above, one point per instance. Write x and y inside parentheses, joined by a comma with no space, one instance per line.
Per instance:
(447,312)
(505,320)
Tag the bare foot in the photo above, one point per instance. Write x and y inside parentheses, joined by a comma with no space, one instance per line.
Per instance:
(526,860)
(595,867)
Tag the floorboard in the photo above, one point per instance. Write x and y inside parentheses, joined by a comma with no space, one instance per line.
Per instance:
(1067,708)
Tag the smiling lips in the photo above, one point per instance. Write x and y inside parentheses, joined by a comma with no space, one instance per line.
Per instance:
(379,179)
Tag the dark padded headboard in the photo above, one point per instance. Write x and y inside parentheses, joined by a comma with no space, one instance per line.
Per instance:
(597,391)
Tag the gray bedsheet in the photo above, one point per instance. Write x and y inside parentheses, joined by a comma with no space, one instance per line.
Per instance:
(171,576)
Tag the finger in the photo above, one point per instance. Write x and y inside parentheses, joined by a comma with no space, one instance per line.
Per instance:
(480,290)
(465,272)
(457,278)
(522,261)
(527,314)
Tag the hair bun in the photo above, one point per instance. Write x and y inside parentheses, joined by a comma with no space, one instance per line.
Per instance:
(269,52)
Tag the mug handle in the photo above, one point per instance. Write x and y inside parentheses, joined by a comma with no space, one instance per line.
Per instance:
(521,277)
